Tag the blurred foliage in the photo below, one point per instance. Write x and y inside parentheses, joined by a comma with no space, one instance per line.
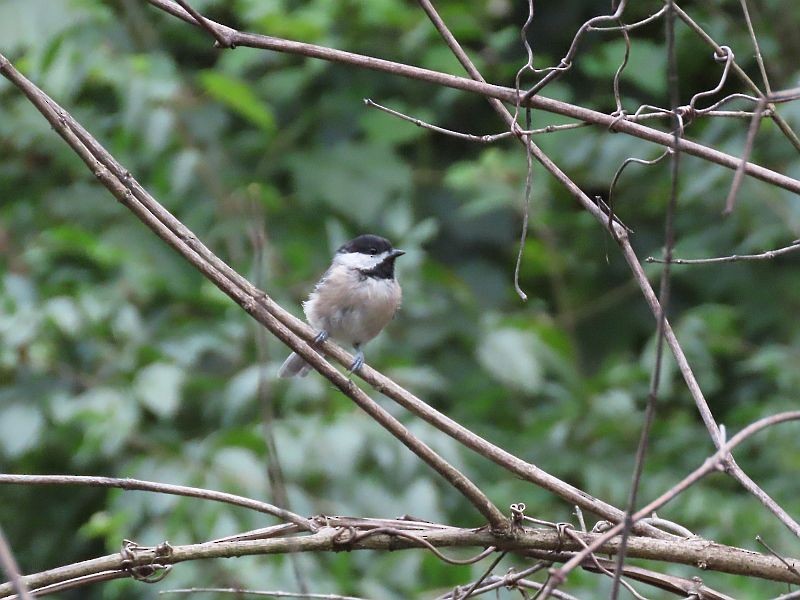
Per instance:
(117,358)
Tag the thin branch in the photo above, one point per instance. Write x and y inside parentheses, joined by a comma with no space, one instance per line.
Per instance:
(768,255)
(632,26)
(505,94)
(526,209)
(686,588)
(277,482)
(759,59)
(273,594)
(223,41)
(161,488)
(772,551)
(748,148)
(9,566)
(482,139)
(566,61)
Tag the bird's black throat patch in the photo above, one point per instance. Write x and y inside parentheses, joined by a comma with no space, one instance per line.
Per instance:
(383,270)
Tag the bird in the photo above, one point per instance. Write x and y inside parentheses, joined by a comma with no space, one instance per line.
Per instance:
(353,301)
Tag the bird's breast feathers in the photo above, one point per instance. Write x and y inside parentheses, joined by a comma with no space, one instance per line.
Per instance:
(351,307)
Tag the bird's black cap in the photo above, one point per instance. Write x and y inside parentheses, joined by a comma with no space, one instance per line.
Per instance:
(367,244)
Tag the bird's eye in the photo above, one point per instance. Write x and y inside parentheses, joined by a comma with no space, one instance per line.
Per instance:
(373,251)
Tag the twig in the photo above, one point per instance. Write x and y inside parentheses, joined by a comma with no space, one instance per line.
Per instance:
(222,40)
(526,209)
(690,589)
(768,255)
(277,483)
(632,26)
(754,40)
(566,61)
(769,548)
(667,525)
(272,593)
(162,488)
(482,139)
(471,589)
(725,54)
(490,138)
(625,163)
(748,148)
(9,566)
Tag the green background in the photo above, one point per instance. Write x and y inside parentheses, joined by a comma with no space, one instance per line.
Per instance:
(117,358)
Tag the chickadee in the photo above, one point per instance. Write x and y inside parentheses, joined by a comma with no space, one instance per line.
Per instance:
(355,299)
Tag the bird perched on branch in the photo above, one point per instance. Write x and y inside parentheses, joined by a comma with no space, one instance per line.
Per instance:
(353,301)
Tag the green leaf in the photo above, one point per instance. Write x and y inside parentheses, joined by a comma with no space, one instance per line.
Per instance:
(239,97)
(158,387)
(512,357)
(20,429)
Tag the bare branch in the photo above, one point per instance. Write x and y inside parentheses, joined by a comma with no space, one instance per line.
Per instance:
(759,59)
(162,488)
(271,593)
(9,566)
(223,41)
(748,148)
(768,255)
(711,556)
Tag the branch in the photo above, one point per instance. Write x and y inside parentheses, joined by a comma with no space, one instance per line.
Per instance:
(239,592)
(162,488)
(9,566)
(768,255)
(508,95)
(698,553)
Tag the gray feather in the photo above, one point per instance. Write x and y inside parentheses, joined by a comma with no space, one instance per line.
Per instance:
(294,366)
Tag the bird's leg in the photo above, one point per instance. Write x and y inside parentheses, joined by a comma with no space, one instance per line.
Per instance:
(321,337)
(358,359)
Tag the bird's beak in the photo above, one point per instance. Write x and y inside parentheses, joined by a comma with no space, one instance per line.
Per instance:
(396,253)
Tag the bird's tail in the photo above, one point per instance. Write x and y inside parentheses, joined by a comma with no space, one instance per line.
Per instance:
(294,366)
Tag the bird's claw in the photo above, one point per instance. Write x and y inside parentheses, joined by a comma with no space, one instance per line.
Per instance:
(321,337)
(358,362)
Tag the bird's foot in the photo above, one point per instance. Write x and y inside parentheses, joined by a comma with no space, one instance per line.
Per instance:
(321,337)
(358,362)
